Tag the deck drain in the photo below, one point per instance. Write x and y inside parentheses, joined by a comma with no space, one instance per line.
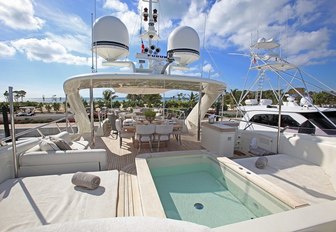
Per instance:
(198,206)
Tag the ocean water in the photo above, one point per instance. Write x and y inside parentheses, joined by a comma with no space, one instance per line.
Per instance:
(62,99)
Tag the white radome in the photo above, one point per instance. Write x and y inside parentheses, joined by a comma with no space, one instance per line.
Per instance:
(184,43)
(110,38)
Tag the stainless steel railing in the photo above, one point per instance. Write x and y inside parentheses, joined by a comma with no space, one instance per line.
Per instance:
(37,128)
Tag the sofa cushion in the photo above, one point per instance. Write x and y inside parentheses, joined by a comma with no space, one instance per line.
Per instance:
(80,145)
(61,144)
(62,157)
(48,145)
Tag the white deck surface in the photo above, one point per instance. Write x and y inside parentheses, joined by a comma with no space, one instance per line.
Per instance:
(35,201)
(301,178)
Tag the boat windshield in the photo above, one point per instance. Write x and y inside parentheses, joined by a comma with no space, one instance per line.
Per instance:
(322,122)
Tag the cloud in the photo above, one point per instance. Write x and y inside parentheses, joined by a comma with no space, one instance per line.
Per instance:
(19,14)
(116,5)
(76,43)
(47,51)
(62,23)
(236,24)
(208,68)
(312,57)
(301,41)
(6,51)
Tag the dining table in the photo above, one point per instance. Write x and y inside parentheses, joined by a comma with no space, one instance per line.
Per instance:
(130,126)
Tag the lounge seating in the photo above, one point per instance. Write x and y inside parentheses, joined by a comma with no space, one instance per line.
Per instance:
(33,161)
(297,176)
(34,201)
(254,149)
(56,162)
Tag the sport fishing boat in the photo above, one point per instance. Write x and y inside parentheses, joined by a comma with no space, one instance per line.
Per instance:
(298,112)
(182,187)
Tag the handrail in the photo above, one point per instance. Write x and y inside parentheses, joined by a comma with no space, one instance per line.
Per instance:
(283,129)
(261,124)
(180,113)
(37,128)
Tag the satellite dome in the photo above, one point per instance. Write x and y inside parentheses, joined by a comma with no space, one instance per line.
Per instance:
(110,38)
(261,40)
(184,44)
(306,101)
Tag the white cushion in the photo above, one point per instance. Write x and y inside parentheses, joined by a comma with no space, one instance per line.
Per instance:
(62,157)
(48,145)
(35,201)
(162,137)
(63,135)
(80,145)
(3,143)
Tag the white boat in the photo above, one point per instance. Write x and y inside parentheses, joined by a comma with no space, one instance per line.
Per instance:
(297,115)
(294,189)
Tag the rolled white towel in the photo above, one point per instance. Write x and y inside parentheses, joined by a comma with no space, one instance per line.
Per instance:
(85,180)
(261,162)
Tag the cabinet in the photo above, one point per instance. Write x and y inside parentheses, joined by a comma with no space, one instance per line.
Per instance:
(218,138)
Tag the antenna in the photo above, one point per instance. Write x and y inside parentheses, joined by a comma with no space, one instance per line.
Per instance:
(92,63)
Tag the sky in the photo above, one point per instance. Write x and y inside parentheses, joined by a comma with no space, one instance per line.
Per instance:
(44,42)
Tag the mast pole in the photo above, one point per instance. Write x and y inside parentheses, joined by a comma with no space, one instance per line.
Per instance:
(150,27)
(279,119)
(11,110)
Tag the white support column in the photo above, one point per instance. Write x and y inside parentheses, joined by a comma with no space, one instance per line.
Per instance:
(11,110)
(92,115)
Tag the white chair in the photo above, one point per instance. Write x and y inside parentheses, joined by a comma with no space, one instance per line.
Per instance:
(162,133)
(177,132)
(122,133)
(144,133)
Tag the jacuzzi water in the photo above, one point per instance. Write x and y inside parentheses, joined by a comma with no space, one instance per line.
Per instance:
(195,189)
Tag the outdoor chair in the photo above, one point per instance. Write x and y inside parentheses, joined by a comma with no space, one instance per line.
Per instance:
(112,117)
(144,134)
(162,134)
(122,133)
(177,132)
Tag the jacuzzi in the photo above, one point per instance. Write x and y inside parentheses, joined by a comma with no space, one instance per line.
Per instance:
(199,187)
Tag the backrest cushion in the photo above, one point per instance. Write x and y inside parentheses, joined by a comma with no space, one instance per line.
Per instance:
(48,145)
(61,144)
(118,124)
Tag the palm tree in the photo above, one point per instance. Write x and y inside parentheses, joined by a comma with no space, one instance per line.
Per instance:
(108,96)
(16,95)
(22,94)
(56,106)
(48,107)
(193,98)
(54,98)
(6,94)
(40,105)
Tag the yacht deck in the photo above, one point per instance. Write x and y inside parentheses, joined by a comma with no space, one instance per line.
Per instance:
(123,159)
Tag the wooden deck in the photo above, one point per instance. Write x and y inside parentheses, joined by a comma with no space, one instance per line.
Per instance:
(119,158)
(123,159)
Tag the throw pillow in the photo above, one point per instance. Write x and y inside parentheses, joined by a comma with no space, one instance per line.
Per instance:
(3,143)
(261,162)
(61,144)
